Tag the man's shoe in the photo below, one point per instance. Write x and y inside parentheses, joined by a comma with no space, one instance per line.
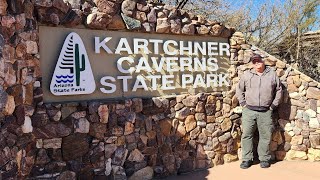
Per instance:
(264,164)
(245,164)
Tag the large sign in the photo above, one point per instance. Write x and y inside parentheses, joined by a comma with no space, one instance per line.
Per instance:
(82,64)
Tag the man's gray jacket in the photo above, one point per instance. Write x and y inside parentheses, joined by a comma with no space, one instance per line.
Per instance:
(259,93)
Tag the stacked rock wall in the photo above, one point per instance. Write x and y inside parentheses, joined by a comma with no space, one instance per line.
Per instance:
(135,137)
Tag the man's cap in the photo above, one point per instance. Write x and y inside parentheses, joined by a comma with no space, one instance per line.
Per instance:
(256,57)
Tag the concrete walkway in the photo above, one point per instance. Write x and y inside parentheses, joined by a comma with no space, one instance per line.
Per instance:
(284,170)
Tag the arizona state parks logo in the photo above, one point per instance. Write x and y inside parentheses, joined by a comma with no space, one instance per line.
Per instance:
(73,74)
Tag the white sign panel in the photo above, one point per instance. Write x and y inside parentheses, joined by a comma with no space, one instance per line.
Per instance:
(73,74)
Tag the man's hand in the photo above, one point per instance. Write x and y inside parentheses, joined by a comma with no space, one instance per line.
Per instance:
(238,109)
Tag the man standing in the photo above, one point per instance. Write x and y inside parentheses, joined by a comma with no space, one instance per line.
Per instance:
(259,92)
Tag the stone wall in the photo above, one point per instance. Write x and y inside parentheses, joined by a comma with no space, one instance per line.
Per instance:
(136,137)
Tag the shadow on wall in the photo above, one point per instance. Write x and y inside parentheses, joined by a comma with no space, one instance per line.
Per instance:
(280,143)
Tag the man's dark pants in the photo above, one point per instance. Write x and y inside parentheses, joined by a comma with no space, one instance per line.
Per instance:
(251,120)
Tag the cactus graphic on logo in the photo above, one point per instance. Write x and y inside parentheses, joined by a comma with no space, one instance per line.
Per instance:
(72,74)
